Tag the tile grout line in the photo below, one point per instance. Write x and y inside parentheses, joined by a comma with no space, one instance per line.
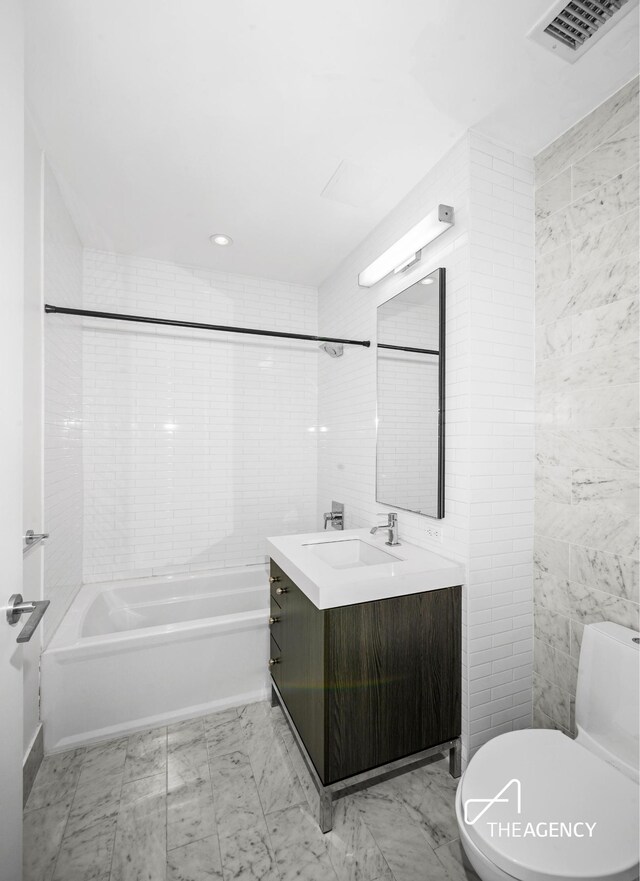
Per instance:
(213,797)
(75,788)
(264,815)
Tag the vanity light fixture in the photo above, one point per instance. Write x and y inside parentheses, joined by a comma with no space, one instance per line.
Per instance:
(221,239)
(406,250)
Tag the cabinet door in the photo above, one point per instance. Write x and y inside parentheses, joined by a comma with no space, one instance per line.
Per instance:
(300,673)
(394,669)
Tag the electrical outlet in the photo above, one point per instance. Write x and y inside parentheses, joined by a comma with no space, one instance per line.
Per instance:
(434,533)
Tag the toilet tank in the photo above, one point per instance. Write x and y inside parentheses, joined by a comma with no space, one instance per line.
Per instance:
(607,699)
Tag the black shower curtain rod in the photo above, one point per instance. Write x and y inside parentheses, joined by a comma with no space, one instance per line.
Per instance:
(143,319)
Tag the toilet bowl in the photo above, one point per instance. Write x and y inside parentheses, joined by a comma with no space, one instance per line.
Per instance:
(536,805)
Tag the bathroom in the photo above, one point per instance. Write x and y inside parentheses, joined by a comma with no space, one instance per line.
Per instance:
(381,414)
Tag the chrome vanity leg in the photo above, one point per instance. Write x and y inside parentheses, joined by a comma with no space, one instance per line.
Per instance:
(455,759)
(325,820)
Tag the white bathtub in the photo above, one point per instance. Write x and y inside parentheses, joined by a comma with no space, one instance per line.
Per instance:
(135,654)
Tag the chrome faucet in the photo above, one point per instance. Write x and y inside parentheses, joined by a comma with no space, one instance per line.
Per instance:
(392,526)
(335,516)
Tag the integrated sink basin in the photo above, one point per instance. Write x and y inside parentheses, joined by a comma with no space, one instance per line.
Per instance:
(356,567)
(349,553)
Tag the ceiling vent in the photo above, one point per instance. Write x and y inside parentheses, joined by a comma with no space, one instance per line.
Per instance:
(570,29)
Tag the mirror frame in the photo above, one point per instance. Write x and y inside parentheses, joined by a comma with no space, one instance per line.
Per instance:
(440,492)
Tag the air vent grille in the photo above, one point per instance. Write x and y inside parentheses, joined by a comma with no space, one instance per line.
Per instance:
(571,29)
(580,19)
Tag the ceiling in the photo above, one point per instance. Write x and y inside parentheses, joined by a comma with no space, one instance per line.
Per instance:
(293,127)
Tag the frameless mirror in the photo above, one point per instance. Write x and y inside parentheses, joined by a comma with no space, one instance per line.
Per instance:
(410,423)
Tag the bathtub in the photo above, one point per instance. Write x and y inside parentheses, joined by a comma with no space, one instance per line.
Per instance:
(135,654)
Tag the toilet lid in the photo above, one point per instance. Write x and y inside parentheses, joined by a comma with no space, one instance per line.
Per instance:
(532,795)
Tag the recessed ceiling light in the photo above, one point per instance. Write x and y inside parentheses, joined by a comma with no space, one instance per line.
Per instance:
(221,239)
(427,280)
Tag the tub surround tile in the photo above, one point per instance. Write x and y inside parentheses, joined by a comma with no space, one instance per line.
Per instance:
(199,861)
(146,754)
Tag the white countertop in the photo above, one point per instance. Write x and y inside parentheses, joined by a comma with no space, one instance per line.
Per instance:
(414,569)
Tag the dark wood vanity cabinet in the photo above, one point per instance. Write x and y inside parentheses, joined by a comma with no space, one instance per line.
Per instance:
(367,684)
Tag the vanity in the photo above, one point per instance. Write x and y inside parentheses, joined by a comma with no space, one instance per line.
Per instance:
(365,656)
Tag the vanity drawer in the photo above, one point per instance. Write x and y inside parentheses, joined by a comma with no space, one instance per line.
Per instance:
(275,654)
(279,584)
(275,622)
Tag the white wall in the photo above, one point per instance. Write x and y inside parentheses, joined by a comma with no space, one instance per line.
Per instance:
(197,445)
(63,503)
(32,517)
(488,256)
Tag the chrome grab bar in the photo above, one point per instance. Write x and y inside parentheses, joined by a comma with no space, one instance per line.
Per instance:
(35,609)
(31,538)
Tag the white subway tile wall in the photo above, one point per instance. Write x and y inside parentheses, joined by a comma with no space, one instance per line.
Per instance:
(197,444)
(586,543)
(63,490)
(488,256)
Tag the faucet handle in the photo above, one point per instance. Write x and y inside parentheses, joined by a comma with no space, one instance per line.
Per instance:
(391,516)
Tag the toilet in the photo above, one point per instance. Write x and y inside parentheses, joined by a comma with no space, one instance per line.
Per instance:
(536,805)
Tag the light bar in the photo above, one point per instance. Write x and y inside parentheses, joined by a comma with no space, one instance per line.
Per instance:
(404,250)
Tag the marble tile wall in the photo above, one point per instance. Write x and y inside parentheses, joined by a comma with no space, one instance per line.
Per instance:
(586,518)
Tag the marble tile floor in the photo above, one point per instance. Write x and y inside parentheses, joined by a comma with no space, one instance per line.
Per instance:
(228,797)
